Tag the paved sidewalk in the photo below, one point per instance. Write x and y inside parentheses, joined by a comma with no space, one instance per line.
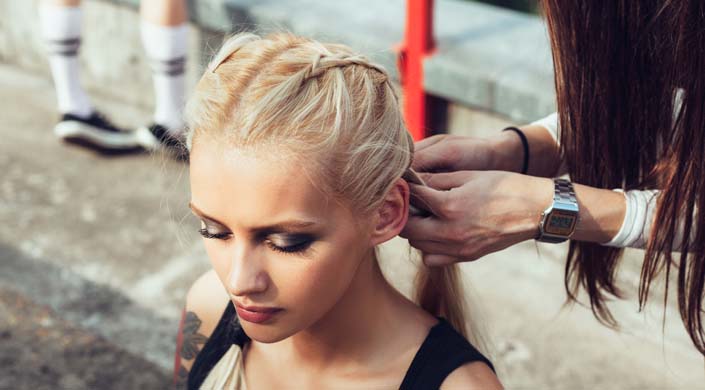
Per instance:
(40,350)
(105,249)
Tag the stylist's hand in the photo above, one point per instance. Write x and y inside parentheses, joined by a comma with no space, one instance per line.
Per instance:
(475,213)
(448,153)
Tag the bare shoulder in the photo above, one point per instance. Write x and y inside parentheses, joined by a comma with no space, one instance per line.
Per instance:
(475,375)
(207,298)
(205,303)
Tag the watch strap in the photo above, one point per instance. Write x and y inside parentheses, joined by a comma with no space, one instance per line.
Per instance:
(565,201)
(563,192)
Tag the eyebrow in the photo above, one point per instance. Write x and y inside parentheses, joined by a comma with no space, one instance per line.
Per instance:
(282,226)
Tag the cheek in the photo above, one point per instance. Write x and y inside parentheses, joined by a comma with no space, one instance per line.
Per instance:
(313,286)
(321,278)
(219,258)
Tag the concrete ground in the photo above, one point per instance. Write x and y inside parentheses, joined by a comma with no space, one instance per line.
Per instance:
(40,350)
(96,255)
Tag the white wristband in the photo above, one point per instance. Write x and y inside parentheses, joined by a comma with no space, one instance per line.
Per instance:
(638,217)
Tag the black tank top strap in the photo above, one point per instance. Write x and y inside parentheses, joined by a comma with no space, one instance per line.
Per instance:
(443,350)
(226,333)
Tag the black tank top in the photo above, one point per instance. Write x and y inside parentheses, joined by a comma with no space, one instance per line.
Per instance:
(441,353)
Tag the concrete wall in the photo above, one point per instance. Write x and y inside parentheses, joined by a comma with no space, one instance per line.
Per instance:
(492,64)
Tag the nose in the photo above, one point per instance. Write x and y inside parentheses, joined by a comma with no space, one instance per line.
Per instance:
(247,274)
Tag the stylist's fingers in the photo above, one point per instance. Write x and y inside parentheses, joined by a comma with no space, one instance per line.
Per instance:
(436,155)
(426,198)
(436,247)
(433,260)
(426,142)
(446,181)
(418,229)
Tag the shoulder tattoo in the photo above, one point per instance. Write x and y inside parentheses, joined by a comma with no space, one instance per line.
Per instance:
(192,340)
(189,344)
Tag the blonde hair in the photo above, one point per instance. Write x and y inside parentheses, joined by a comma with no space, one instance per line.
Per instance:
(327,103)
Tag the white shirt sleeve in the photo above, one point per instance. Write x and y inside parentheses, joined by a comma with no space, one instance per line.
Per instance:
(550,123)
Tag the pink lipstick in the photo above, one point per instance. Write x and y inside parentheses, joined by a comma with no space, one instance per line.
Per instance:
(256,314)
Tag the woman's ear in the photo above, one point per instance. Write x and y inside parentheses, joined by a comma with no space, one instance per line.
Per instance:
(392,214)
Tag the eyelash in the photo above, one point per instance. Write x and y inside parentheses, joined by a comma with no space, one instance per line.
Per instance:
(218,236)
(296,248)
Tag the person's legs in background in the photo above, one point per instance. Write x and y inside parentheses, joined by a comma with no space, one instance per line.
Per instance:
(80,123)
(61,28)
(164,36)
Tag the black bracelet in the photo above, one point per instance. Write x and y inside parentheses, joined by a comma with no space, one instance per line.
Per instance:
(525,143)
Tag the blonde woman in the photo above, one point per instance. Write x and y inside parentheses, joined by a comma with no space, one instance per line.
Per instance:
(299,168)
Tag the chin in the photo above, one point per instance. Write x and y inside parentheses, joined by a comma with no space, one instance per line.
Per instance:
(267,334)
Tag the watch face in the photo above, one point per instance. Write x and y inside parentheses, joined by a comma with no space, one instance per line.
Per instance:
(560,223)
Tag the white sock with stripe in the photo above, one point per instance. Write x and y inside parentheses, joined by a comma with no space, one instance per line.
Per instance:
(61,29)
(166,51)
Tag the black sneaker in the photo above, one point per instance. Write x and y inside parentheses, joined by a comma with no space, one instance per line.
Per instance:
(157,137)
(97,133)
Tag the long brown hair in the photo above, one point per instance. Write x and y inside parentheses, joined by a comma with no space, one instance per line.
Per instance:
(630,85)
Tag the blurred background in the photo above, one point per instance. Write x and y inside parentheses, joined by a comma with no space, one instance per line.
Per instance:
(97,252)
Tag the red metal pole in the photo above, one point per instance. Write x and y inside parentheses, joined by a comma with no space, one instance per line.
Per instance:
(418,43)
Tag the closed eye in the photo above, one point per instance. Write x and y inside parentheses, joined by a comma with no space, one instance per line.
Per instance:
(207,230)
(294,243)
(218,235)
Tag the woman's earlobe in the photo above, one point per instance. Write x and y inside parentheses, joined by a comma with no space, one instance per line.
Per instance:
(392,214)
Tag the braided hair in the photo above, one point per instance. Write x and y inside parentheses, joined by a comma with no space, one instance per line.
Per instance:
(334,110)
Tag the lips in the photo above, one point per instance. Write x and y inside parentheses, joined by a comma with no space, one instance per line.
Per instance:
(256,314)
